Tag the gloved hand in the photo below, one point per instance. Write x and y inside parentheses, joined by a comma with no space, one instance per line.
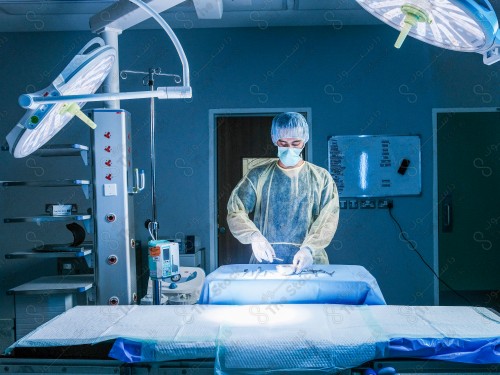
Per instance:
(262,249)
(302,259)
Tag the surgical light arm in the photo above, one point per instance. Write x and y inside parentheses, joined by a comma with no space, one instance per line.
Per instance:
(173,37)
(31,101)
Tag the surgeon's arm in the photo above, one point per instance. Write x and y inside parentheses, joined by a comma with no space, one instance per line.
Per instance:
(324,227)
(241,202)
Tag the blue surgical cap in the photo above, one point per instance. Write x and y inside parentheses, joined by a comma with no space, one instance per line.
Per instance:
(289,125)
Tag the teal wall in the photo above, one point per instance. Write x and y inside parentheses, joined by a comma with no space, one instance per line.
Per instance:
(353,80)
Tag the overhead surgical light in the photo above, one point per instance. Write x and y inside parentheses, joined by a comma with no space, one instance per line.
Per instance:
(50,109)
(83,75)
(459,25)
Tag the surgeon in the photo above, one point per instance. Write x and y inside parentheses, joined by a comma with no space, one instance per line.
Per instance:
(294,203)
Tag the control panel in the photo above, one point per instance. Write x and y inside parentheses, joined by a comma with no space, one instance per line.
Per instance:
(113,181)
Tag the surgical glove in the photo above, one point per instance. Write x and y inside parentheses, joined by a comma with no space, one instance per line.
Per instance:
(262,249)
(303,259)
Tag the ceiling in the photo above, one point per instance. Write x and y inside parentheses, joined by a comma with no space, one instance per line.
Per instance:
(66,15)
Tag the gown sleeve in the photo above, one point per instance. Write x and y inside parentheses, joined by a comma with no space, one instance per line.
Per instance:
(240,204)
(323,229)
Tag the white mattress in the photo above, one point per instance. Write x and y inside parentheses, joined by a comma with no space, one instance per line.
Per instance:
(263,336)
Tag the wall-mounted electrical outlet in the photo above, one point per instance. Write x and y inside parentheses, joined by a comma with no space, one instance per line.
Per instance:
(353,204)
(368,203)
(343,204)
(384,203)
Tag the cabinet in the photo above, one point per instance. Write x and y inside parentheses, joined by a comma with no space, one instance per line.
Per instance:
(43,298)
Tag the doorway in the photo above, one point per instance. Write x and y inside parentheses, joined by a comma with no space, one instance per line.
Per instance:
(468,210)
(240,140)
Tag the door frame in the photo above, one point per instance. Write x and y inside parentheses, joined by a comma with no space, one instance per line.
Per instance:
(435,198)
(212,162)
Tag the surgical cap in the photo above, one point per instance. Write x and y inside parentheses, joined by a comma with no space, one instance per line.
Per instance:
(289,125)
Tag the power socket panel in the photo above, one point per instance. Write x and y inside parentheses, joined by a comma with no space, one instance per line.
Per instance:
(367,203)
(384,203)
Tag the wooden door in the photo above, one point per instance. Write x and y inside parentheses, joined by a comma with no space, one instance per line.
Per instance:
(239,141)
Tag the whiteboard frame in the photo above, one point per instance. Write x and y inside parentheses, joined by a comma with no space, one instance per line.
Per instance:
(381,136)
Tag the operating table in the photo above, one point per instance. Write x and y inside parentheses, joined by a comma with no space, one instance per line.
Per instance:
(261,338)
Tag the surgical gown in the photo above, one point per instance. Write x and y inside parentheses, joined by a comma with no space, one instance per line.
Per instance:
(291,208)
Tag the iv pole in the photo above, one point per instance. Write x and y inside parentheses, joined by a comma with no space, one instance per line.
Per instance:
(152,224)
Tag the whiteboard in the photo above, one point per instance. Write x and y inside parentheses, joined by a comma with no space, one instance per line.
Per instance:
(375,165)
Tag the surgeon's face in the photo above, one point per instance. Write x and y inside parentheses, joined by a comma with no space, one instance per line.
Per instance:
(290,142)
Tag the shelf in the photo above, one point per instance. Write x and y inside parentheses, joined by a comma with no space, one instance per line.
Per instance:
(51,254)
(49,183)
(53,251)
(48,218)
(64,150)
(84,184)
(56,285)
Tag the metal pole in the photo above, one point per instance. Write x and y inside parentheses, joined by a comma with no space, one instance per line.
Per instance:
(34,101)
(153,224)
(153,152)
(112,82)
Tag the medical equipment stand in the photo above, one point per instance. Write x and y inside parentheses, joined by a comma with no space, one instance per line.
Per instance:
(115,184)
(152,224)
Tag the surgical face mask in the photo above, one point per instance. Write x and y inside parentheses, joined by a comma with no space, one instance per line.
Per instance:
(289,156)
